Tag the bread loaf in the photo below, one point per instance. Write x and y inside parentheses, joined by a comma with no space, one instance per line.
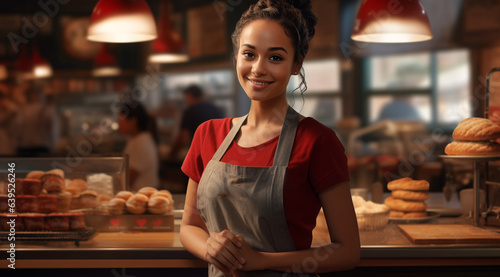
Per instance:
(472,148)
(476,129)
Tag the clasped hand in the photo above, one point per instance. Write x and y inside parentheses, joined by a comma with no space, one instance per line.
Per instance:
(230,253)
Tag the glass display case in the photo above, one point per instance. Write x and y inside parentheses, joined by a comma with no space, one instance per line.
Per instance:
(110,169)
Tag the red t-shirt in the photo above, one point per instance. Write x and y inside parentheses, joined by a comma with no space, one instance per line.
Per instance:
(317,162)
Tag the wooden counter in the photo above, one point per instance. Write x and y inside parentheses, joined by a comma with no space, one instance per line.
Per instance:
(380,248)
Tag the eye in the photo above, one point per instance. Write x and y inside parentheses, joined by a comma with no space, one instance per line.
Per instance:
(248,55)
(276,58)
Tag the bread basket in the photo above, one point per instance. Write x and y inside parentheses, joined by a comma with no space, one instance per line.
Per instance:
(372,221)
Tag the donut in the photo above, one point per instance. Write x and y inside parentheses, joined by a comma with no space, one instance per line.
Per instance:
(398,214)
(405,205)
(410,195)
(408,184)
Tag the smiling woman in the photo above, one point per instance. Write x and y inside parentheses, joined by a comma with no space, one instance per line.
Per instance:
(248,174)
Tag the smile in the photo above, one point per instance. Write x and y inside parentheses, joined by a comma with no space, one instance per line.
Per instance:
(260,83)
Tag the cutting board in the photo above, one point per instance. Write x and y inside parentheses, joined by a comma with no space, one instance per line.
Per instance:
(448,233)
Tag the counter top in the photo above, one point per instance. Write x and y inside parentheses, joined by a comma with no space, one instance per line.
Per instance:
(384,247)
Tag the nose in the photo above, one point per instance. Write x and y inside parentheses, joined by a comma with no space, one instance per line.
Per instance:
(259,67)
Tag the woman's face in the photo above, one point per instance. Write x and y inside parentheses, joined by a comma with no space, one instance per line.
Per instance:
(265,60)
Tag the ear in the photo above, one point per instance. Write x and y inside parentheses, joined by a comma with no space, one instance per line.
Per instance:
(296,68)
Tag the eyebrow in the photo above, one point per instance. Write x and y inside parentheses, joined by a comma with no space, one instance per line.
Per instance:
(270,48)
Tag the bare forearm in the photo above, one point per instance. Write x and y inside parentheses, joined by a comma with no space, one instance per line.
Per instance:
(328,258)
(194,239)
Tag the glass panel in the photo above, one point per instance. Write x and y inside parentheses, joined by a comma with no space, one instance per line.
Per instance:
(321,76)
(453,86)
(326,110)
(398,108)
(400,71)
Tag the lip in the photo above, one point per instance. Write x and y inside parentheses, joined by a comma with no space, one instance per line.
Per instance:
(259,84)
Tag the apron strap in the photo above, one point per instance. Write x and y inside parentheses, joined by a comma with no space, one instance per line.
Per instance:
(229,139)
(287,138)
(285,142)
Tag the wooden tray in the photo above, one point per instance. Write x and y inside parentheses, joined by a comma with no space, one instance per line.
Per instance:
(448,233)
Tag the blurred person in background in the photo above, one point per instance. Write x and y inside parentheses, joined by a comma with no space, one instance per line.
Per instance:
(38,124)
(198,111)
(141,146)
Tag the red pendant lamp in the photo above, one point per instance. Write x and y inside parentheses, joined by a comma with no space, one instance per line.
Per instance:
(41,67)
(121,21)
(24,62)
(169,47)
(105,63)
(389,21)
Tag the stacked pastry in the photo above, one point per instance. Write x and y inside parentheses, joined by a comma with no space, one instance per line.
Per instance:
(407,198)
(146,199)
(475,136)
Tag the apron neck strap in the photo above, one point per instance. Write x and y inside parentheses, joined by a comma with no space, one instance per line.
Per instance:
(287,138)
(285,142)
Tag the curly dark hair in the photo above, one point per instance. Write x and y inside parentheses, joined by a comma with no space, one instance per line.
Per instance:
(296,18)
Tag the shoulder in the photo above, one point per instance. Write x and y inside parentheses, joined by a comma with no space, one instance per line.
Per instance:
(311,127)
(213,125)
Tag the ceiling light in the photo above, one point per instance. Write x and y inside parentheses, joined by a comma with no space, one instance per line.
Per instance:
(389,21)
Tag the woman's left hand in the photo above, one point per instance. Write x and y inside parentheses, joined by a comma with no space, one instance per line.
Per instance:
(254,259)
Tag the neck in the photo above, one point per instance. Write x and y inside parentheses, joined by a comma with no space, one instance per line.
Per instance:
(263,113)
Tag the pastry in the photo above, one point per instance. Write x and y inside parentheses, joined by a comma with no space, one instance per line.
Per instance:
(405,205)
(166,194)
(137,203)
(148,191)
(76,186)
(53,182)
(125,195)
(472,148)
(159,205)
(116,206)
(88,199)
(31,186)
(410,195)
(476,129)
(35,175)
(399,214)
(47,203)
(408,184)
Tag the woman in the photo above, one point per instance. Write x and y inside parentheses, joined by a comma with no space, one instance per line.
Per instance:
(258,182)
(141,146)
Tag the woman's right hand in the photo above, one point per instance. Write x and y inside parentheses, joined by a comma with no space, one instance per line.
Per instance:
(223,251)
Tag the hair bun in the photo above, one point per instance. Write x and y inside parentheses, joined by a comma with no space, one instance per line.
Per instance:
(305,7)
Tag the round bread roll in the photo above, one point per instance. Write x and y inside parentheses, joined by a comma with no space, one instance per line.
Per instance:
(116,206)
(410,195)
(88,199)
(148,191)
(57,172)
(408,184)
(136,204)
(399,214)
(125,195)
(103,198)
(76,186)
(159,205)
(52,182)
(166,194)
(35,175)
(405,205)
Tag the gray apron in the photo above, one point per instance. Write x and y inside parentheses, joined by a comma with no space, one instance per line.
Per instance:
(248,201)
